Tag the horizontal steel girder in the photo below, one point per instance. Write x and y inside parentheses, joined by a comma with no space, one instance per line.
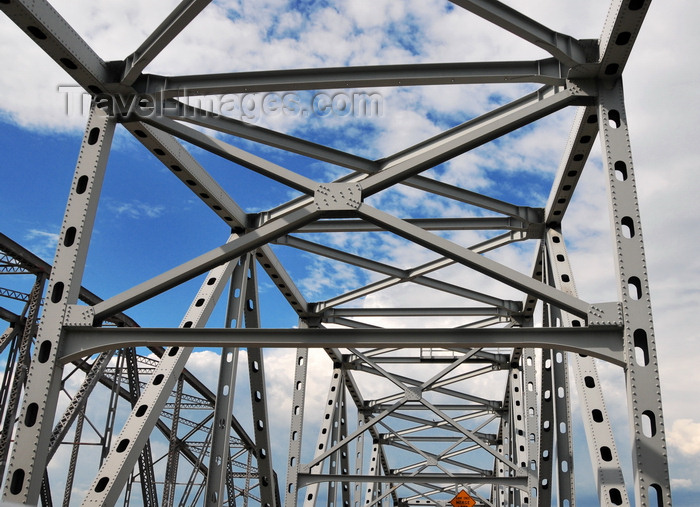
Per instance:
(516,482)
(542,71)
(602,342)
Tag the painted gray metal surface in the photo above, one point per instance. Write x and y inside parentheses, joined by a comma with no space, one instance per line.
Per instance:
(399,455)
(25,468)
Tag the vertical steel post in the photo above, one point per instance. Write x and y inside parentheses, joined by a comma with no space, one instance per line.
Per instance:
(19,379)
(122,457)
(560,391)
(170,483)
(269,492)
(296,426)
(546,433)
(324,440)
(223,408)
(530,414)
(344,451)
(650,455)
(75,448)
(518,430)
(359,462)
(106,439)
(29,454)
(562,428)
(148,480)
(601,444)
(372,491)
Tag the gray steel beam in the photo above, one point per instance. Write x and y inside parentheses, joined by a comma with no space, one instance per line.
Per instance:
(183,165)
(546,455)
(394,273)
(149,495)
(547,71)
(563,47)
(603,342)
(296,425)
(234,154)
(471,134)
(531,416)
(414,312)
(182,112)
(429,224)
(330,410)
(199,265)
(518,437)
(602,449)
(269,490)
(417,275)
(20,365)
(282,280)
(219,455)
(650,455)
(562,426)
(75,448)
(575,156)
(29,453)
(52,33)
(171,26)
(620,31)
(173,461)
(475,261)
(122,457)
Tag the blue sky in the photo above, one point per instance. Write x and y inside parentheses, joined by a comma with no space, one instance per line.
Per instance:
(148,222)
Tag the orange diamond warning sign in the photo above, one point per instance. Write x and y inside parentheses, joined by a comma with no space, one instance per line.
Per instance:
(463,500)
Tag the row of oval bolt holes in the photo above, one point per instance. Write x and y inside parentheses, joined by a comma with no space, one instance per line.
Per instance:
(641,357)
(44,353)
(641,345)
(576,158)
(68,241)
(176,169)
(634,284)
(620,167)
(140,412)
(203,195)
(275,277)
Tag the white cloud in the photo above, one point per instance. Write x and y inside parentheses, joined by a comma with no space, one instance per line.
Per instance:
(685,436)
(136,209)
(42,243)
(681,483)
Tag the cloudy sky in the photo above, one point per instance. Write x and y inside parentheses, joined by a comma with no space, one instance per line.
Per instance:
(145,210)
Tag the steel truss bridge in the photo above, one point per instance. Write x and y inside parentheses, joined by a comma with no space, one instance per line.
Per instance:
(412,416)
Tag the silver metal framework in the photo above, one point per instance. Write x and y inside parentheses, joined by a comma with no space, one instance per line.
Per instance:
(413,415)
